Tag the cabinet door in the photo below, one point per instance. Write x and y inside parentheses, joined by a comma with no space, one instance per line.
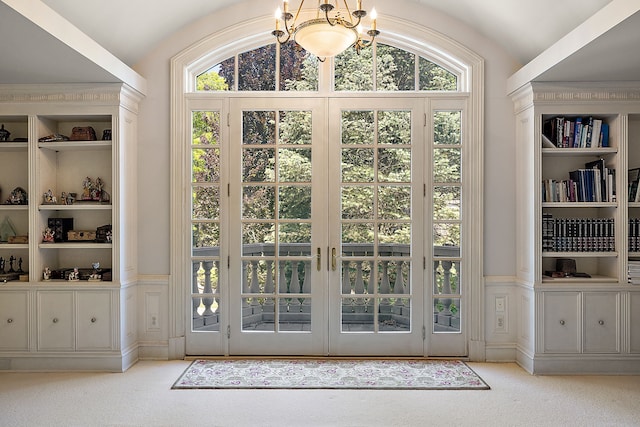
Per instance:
(561,332)
(94,320)
(55,320)
(14,327)
(634,322)
(601,322)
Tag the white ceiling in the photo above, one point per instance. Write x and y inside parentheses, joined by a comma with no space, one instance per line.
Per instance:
(128,30)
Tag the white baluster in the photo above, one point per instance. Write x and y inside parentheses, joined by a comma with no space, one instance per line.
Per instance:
(207,265)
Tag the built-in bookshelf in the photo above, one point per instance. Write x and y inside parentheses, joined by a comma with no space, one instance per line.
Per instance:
(67,246)
(579,159)
(578,227)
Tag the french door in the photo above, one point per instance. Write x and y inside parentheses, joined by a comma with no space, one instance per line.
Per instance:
(310,237)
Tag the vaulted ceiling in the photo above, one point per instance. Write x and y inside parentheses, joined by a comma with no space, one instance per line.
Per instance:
(553,39)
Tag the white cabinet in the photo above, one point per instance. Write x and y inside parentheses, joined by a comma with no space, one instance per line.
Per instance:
(574,240)
(53,322)
(602,318)
(634,319)
(14,321)
(561,322)
(56,322)
(94,320)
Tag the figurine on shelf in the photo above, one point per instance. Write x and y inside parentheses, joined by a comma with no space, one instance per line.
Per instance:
(46,274)
(18,197)
(20,270)
(4,134)
(87,186)
(95,276)
(48,235)
(48,198)
(2,266)
(74,275)
(96,191)
(68,198)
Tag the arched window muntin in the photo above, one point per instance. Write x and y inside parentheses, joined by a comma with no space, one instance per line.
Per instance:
(420,47)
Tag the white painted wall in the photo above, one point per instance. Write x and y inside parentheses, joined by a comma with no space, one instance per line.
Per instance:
(499,189)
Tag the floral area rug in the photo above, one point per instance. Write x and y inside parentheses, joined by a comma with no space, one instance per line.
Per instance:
(330,374)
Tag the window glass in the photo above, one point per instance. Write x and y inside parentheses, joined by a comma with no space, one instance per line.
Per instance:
(395,69)
(220,77)
(434,77)
(354,72)
(257,69)
(298,69)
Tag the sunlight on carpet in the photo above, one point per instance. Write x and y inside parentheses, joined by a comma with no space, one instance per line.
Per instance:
(330,374)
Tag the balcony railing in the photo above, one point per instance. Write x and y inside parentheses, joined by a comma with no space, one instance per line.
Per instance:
(294,287)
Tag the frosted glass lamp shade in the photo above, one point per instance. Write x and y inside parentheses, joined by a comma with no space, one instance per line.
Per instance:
(323,40)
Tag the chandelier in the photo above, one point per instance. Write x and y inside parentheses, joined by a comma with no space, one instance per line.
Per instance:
(326,36)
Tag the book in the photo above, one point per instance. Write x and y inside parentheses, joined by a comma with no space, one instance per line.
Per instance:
(604,135)
(633,177)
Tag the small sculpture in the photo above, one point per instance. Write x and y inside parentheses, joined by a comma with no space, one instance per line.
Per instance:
(95,276)
(74,275)
(2,266)
(48,235)
(46,274)
(18,197)
(48,198)
(4,134)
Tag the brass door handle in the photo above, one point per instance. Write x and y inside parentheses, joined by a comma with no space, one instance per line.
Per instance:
(333,259)
(319,260)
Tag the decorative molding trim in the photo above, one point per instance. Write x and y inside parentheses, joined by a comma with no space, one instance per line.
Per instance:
(533,93)
(94,94)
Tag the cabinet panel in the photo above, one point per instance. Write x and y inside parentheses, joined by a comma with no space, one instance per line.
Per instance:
(14,326)
(634,322)
(56,329)
(561,322)
(601,322)
(94,321)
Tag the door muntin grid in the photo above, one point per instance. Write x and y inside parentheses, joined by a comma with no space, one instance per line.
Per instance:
(376,221)
(276,221)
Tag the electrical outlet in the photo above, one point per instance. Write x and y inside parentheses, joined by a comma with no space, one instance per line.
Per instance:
(501,324)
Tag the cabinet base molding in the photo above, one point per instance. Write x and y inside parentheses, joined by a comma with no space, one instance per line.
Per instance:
(580,365)
(94,362)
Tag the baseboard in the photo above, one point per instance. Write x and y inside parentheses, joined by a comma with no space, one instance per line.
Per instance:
(503,352)
(581,364)
(83,362)
(154,350)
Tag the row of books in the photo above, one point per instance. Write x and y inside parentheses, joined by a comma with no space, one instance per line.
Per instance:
(594,183)
(634,271)
(575,132)
(577,234)
(634,234)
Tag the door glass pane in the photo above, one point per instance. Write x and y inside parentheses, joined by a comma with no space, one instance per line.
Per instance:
(447,214)
(276,224)
(376,222)
(205,220)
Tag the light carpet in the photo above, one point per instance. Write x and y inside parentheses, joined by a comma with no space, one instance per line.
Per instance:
(330,374)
